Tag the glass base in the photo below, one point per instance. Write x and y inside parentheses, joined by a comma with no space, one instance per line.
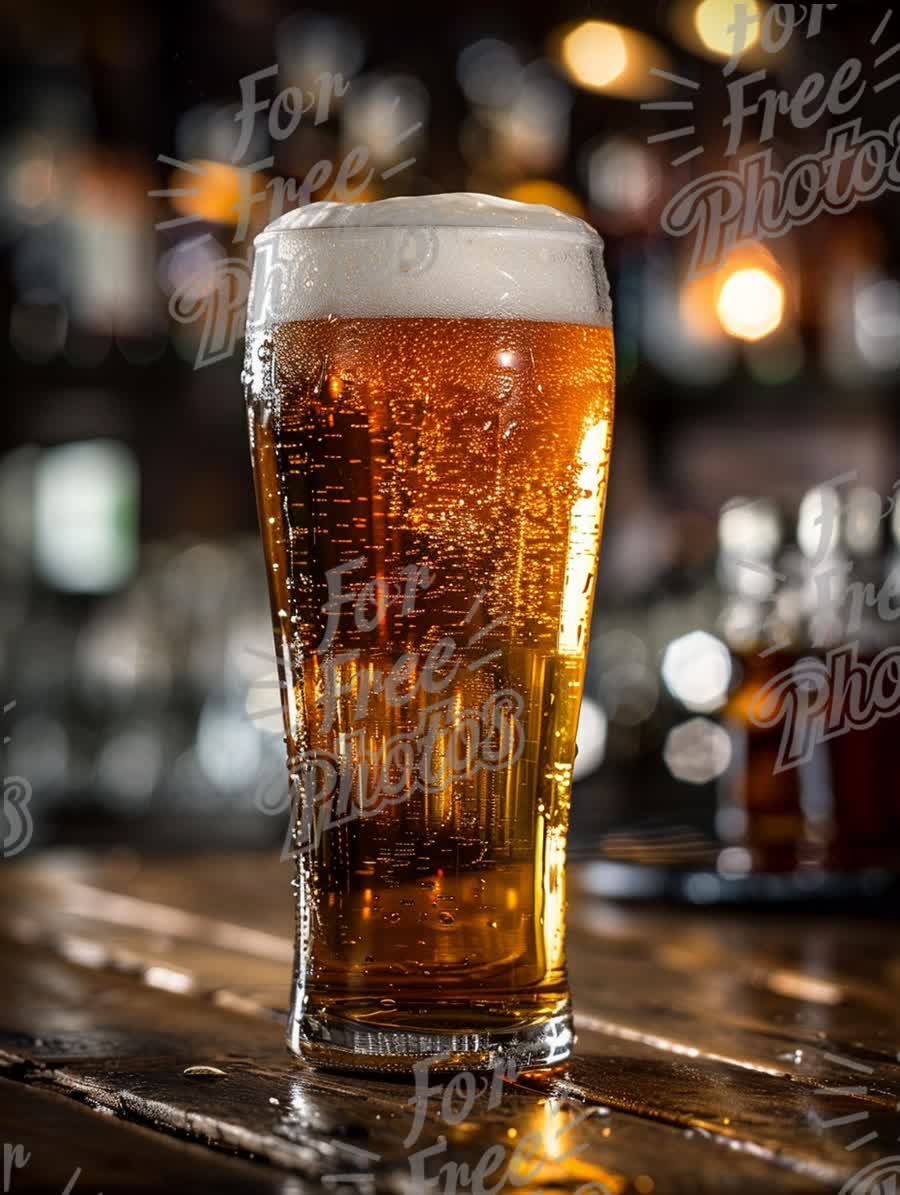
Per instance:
(343,1046)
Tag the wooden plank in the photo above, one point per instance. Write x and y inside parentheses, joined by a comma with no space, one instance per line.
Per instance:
(112,1041)
(50,1141)
(120,1045)
(729,1011)
(797,1019)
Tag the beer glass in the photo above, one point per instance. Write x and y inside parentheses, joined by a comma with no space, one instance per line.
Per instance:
(429,390)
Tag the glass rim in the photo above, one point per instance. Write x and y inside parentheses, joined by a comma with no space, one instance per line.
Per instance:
(589,237)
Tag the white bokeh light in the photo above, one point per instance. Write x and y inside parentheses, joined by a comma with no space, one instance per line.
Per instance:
(876,324)
(590,738)
(697,751)
(697,671)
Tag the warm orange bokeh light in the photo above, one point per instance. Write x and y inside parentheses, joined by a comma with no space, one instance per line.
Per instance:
(750,305)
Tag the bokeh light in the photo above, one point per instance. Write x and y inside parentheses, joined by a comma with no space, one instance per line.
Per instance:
(313,44)
(613,59)
(750,303)
(212,191)
(542,190)
(530,134)
(33,185)
(387,115)
(590,739)
(749,529)
(716,21)
(622,178)
(594,53)
(818,522)
(876,324)
(86,499)
(697,751)
(489,72)
(862,520)
(697,671)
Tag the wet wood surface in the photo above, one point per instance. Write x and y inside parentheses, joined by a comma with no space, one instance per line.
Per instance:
(739,1051)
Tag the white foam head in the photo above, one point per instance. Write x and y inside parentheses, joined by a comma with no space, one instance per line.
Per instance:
(448,256)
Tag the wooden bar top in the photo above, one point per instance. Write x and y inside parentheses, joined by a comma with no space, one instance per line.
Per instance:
(141,1049)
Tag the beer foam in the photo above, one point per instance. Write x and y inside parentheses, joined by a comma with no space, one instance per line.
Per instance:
(429,255)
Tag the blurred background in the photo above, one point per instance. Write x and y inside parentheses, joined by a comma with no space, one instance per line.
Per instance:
(756,405)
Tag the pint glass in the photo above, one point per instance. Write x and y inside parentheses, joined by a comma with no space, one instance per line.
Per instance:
(429,390)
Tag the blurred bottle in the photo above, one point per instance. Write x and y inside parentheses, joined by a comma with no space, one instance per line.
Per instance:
(864,754)
(760,805)
(812,784)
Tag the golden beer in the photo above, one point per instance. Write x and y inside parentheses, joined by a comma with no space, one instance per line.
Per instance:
(430,491)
